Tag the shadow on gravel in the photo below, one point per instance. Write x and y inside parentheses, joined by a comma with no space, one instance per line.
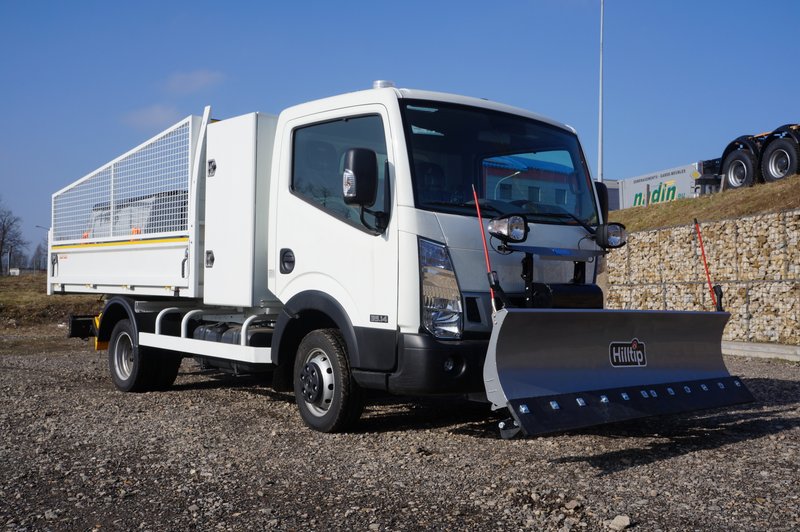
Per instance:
(676,434)
(773,412)
(213,380)
(392,414)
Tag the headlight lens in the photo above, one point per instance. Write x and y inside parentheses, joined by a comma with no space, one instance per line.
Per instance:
(512,228)
(441,298)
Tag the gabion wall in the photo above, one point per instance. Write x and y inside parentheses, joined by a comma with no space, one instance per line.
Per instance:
(756,260)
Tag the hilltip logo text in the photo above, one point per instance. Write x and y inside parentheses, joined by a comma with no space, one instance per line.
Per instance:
(627,354)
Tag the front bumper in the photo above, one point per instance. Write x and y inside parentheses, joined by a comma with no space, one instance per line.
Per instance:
(427,366)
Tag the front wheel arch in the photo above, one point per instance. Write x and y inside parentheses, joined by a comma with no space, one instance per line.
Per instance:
(305,312)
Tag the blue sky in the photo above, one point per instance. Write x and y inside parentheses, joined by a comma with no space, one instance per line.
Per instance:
(84,81)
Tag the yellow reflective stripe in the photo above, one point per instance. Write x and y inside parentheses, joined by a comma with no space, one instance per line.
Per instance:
(177,240)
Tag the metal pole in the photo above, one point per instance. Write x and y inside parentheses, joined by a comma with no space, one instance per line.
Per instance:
(600,121)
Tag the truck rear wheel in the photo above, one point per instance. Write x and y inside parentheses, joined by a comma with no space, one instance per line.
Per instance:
(779,160)
(328,398)
(135,368)
(164,366)
(739,169)
(125,361)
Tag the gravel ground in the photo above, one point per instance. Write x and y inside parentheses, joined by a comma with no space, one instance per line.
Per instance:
(218,452)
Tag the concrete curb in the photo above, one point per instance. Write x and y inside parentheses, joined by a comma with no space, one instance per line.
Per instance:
(756,350)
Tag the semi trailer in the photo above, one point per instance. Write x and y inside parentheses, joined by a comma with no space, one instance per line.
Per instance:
(767,157)
(746,160)
(399,240)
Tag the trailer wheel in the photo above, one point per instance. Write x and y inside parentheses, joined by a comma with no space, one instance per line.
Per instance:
(779,160)
(739,169)
(328,398)
(126,361)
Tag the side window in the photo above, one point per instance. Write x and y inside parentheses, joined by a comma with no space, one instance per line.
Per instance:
(318,161)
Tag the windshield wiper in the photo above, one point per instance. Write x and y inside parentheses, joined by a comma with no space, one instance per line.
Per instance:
(466,205)
(562,215)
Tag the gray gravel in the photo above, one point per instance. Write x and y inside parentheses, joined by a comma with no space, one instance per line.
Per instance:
(218,452)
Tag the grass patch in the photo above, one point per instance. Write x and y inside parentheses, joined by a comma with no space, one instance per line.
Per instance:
(24,301)
(782,195)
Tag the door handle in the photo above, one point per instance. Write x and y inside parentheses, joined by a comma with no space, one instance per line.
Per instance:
(287,260)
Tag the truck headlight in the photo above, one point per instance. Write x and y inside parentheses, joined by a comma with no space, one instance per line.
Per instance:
(441,298)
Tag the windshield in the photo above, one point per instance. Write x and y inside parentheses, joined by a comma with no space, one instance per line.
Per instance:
(517,165)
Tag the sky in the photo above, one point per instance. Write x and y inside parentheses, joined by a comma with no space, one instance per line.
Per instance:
(84,81)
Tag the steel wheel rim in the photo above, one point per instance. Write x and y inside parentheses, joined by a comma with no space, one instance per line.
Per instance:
(779,163)
(322,363)
(737,172)
(123,356)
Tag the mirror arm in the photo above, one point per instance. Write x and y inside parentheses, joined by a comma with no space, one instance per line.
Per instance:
(381,220)
(381,217)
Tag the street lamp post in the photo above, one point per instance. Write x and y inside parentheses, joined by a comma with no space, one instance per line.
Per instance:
(600,121)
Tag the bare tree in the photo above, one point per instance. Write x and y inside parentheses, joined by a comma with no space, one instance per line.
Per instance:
(39,257)
(19,259)
(11,241)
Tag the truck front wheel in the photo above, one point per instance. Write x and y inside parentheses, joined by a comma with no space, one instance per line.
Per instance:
(780,159)
(739,169)
(328,398)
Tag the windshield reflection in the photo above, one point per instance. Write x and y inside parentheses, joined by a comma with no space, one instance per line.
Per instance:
(517,165)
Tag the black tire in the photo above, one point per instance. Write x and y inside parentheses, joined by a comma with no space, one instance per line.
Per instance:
(135,368)
(128,367)
(163,366)
(739,169)
(780,159)
(328,398)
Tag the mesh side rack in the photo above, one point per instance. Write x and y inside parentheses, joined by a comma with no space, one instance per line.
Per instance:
(140,194)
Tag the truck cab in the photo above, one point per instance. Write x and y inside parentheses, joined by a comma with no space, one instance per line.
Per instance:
(404,277)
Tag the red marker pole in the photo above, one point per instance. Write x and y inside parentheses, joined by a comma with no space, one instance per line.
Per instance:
(705,263)
(485,247)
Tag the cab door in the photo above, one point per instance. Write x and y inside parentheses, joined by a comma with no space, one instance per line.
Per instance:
(332,257)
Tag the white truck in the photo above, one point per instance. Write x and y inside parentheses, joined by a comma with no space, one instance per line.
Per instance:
(340,247)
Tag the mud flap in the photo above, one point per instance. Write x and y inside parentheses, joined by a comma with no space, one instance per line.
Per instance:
(564,369)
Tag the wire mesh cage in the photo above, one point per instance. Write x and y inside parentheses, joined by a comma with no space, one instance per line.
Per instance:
(143,193)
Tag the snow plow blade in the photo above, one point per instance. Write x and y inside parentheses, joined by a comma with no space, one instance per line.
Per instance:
(558,370)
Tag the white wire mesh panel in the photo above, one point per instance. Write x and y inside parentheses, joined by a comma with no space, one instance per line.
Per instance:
(82,211)
(144,192)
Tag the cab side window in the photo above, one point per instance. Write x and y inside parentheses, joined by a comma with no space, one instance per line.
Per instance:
(318,161)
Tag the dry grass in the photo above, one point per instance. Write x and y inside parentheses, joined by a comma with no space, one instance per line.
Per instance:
(24,301)
(768,197)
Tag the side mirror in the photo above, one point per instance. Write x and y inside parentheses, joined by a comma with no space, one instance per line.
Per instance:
(602,196)
(360,177)
(609,236)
